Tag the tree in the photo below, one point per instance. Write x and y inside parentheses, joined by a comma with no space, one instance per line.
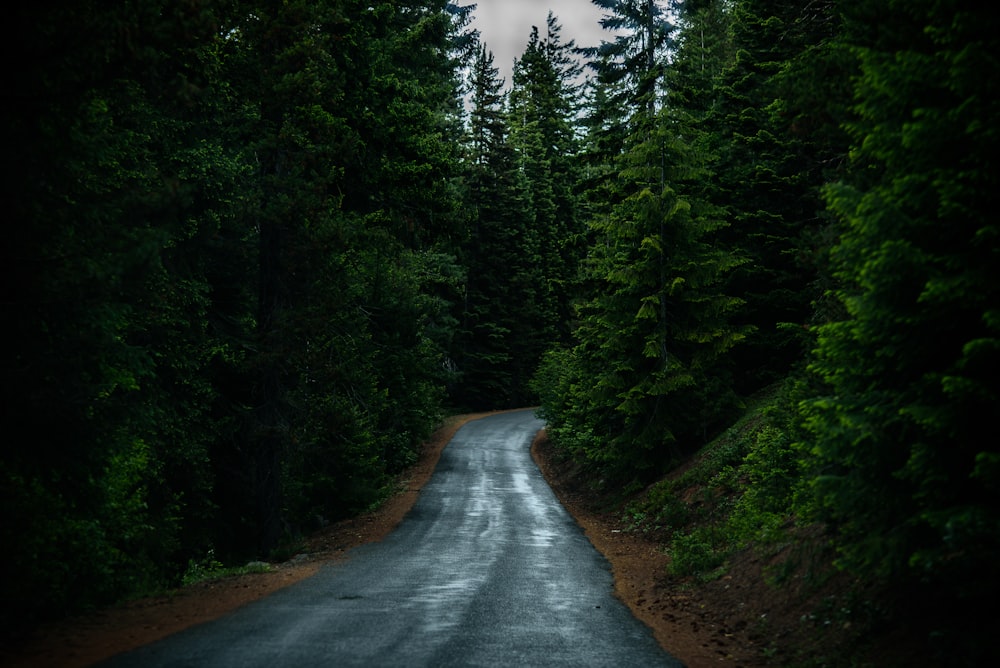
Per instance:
(902,472)
(521,254)
(643,375)
(491,254)
(636,58)
(356,181)
(165,155)
(111,365)
(544,135)
(771,131)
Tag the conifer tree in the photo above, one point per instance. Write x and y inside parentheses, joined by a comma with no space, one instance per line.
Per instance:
(493,194)
(636,58)
(772,134)
(521,257)
(644,384)
(178,407)
(903,472)
(116,213)
(357,190)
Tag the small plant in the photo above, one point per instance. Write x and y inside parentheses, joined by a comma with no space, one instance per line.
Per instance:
(636,518)
(203,569)
(698,552)
(209,568)
(661,507)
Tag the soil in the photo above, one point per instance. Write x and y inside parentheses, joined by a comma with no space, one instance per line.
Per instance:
(737,620)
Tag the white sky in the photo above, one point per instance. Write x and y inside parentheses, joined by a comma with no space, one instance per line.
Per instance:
(505,25)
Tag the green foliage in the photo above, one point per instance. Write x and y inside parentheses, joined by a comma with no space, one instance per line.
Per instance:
(250,249)
(521,253)
(650,337)
(215,291)
(738,491)
(698,552)
(771,476)
(566,405)
(654,323)
(770,125)
(209,568)
(662,508)
(908,367)
(894,434)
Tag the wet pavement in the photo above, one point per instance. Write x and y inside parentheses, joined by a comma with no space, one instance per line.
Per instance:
(487,569)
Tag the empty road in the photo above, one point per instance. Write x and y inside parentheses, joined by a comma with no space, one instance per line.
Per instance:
(487,569)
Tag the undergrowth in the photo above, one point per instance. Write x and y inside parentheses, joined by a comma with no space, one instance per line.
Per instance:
(209,568)
(736,491)
(742,492)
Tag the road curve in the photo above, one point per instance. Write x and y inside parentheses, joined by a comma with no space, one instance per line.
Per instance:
(487,569)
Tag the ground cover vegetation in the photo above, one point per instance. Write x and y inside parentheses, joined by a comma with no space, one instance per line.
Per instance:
(257,251)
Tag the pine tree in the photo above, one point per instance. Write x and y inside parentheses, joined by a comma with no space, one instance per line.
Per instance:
(496,205)
(644,380)
(775,105)
(903,471)
(521,256)
(356,175)
(117,212)
(636,58)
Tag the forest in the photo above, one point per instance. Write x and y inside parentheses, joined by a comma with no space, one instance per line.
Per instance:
(259,250)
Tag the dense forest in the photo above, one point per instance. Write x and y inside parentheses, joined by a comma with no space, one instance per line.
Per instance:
(259,249)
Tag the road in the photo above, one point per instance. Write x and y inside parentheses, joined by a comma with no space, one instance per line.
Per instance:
(487,569)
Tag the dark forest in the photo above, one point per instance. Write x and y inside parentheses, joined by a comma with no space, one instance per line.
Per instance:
(259,250)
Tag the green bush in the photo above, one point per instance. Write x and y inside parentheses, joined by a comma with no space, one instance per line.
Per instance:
(698,552)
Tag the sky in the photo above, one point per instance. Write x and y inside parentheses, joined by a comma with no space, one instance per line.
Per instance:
(505,25)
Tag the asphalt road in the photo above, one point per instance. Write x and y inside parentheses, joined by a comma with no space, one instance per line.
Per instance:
(487,569)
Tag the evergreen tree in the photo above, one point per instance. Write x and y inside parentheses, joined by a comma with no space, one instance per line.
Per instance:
(357,189)
(643,378)
(115,199)
(651,335)
(636,59)
(542,113)
(494,187)
(521,254)
(776,107)
(903,471)
(177,406)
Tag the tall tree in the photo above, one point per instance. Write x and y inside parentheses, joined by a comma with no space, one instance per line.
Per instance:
(772,133)
(636,58)
(115,198)
(644,371)
(492,253)
(543,112)
(903,471)
(521,254)
(357,163)
(165,155)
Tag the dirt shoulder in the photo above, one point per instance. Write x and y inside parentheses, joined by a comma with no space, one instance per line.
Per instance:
(700,626)
(695,624)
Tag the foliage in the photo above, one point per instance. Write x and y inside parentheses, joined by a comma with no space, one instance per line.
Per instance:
(901,469)
(226,317)
(209,568)
(254,250)
(521,250)
(737,492)
(769,101)
(654,323)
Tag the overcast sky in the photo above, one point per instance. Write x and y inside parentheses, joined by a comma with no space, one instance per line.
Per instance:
(505,25)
